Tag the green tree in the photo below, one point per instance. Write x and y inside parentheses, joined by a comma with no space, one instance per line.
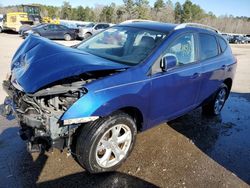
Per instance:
(129,6)
(211,14)
(142,9)
(178,12)
(187,11)
(80,13)
(66,10)
(119,13)
(52,11)
(197,12)
(107,13)
(89,14)
(170,4)
(159,4)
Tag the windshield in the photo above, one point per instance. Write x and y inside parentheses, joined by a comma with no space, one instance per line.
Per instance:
(32,10)
(126,45)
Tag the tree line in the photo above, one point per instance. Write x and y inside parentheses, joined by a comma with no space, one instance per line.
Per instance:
(164,11)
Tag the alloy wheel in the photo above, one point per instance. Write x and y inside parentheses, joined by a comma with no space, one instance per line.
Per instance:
(220,100)
(113,145)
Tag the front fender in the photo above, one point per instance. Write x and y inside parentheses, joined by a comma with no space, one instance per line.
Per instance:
(103,103)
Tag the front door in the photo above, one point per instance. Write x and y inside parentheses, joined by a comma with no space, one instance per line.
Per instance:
(175,91)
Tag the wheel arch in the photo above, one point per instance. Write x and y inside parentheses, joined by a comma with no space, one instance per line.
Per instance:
(228,83)
(136,114)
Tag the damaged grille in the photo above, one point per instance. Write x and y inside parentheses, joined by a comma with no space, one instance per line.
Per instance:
(36,110)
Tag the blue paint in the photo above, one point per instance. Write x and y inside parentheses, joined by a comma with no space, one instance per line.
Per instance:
(160,96)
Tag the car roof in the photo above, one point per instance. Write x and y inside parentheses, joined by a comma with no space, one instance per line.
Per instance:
(165,27)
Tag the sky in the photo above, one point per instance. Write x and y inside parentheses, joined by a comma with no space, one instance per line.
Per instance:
(218,7)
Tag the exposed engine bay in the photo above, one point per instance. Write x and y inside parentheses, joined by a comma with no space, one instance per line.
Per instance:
(39,113)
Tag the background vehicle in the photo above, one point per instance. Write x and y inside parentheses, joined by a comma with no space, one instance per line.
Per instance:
(24,17)
(74,25)
(1,24)
(91,29)
(226,36)
(14,21)
(237,39)
(53,31)
(33,12)
(93,98)
(248,38)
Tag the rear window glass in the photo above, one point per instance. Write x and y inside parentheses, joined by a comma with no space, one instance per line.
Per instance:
(208,46)
(223,44)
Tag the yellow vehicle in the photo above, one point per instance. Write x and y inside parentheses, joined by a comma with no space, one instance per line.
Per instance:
(14,20)
(50,20)
(25,16)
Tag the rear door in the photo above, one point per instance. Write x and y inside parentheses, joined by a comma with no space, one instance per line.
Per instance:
(61,30)
(175,91)
(213,65)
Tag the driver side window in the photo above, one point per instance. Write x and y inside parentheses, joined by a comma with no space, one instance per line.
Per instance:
(183,48)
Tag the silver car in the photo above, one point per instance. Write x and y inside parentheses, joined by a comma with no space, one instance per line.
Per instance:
(91,29)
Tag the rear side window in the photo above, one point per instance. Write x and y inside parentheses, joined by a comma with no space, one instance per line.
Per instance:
(208,46)
(223,44)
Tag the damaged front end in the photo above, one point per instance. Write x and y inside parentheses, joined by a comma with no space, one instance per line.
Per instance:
(46,79)
(39,113)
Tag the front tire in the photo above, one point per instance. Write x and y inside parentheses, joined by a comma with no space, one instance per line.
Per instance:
(103,145)
(215,106)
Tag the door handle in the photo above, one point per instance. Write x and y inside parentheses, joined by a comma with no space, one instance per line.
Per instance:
(196,75)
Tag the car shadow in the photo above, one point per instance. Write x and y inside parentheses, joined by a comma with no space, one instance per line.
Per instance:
(106,180)
(224,138)
(10,32)
(19,169)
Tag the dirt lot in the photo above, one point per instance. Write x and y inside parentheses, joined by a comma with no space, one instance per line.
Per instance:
(192,151)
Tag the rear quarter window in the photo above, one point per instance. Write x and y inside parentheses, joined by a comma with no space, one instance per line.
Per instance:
(208,46)
(223,44)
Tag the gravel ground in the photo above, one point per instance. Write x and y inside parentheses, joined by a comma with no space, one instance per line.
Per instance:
(191,151)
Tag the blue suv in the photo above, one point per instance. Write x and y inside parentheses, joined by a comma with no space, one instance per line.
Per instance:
(94,97)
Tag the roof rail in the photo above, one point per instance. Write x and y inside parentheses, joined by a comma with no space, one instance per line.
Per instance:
(183,25)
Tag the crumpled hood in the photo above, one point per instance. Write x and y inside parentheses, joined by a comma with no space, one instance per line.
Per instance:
(39,62)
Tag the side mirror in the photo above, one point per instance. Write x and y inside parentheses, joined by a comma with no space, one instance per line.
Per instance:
(168,62)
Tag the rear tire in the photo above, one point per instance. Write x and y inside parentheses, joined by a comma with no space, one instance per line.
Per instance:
(103,145)
(215,106)
(87,35)
(67,37)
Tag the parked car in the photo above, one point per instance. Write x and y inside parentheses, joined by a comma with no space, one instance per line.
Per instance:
(238,39)
(53,31)
(95,97)
(75,25)
(226,36)
(1,25)
(247,38)
(91,29)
